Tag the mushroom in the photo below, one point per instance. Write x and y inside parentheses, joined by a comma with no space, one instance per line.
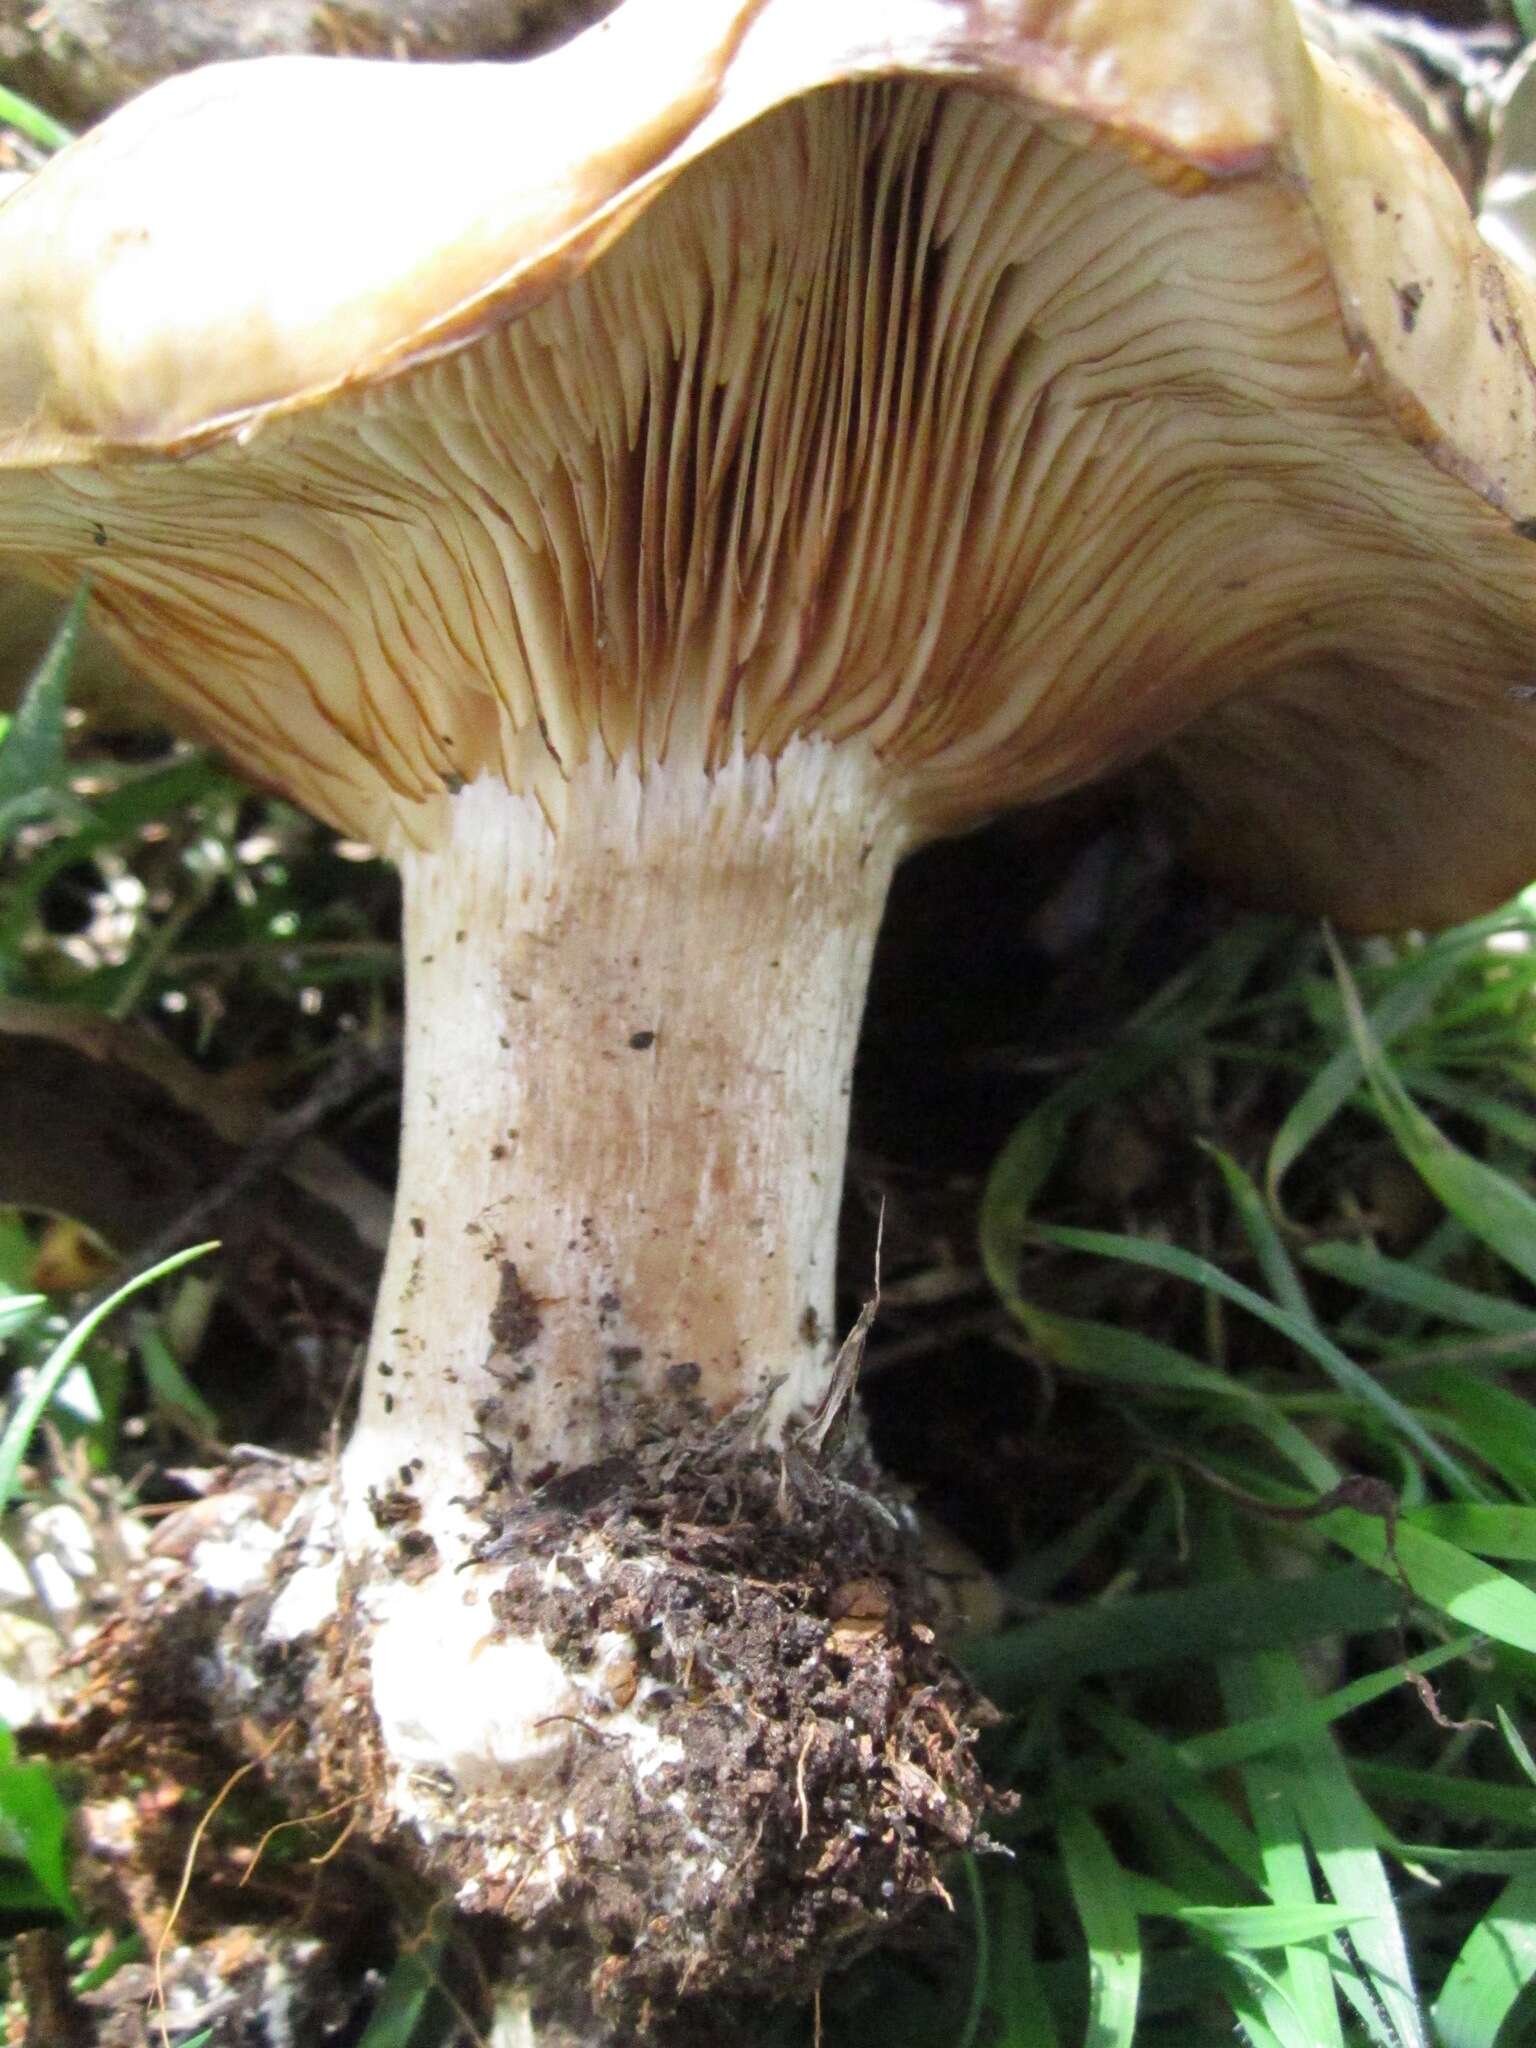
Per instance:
(752,439)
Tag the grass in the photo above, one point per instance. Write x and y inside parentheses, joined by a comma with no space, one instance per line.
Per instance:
(1266,1791)
(31,121)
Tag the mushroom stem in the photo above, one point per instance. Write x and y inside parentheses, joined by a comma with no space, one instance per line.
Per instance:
(630,1039)
(631,1030)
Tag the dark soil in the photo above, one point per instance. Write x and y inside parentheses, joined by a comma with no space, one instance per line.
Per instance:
(818,1766)
(826,1742)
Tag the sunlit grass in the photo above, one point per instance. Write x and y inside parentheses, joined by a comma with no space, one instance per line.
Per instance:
(1268,1748)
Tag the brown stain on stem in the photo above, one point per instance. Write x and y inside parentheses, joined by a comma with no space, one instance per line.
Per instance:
(515,1319)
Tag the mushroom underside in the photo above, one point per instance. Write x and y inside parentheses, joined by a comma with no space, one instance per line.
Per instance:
(900,417)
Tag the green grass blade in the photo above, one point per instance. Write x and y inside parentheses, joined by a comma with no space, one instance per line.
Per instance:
(1160,1628)
(1495,1115)
(33,771)
(981,1964)
(1018,1998)
(404,2000)
(1104,1351)
(1342,1832)
(1346,1374)
(1265,2012)
(1242,1741)
(1497,1211)
(1275,1262)
(31,121)
(1029,1158)
(1507,1532)
(113,819)
(1498,1422)
(1455,1798)
(1101,1896)
(1295,1447)
(30,1409)
(128,1950)
(1165,1767)
(1264,1927)
(1400,1280)
(1517,1745)
(1475,1594)
(1331,1087)
(1036,1576)
(1495,1964)
(1305,1982)
(1467,1862)
(19,1311)
(173,1394)
(1307,1716)
(34,1825)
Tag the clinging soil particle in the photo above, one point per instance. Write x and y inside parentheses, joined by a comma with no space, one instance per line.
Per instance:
(515,1318)
(772,1761)
(805,1749)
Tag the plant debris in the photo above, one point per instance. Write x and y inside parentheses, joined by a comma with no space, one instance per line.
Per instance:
(779,1756)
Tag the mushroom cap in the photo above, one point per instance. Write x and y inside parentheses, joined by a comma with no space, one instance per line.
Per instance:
(1021,389)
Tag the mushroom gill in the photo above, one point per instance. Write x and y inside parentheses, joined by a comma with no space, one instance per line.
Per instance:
(899,418)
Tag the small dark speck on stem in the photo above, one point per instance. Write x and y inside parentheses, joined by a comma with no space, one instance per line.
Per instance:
(515,1319)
